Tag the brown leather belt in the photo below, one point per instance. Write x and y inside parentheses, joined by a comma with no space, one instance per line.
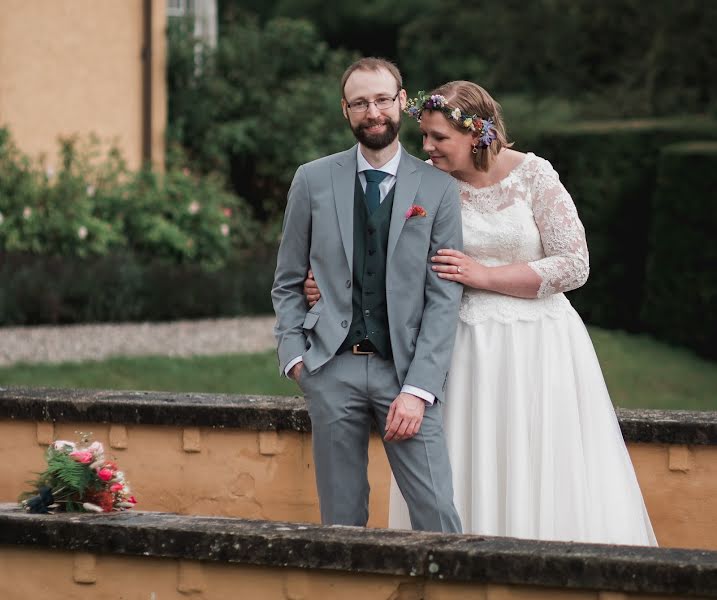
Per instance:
(363,348)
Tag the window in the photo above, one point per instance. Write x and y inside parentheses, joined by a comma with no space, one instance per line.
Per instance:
(178,8)
(204,14)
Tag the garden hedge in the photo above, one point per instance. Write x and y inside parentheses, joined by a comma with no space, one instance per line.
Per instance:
(610,170)
(123,287)
(681,284)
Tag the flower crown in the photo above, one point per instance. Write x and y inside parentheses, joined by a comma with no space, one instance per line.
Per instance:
(485,127)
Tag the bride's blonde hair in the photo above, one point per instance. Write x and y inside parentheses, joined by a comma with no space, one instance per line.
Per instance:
(472,99)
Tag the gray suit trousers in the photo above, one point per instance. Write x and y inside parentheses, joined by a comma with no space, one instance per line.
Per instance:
(344,397)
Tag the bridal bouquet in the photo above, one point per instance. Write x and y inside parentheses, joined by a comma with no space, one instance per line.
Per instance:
(78,478)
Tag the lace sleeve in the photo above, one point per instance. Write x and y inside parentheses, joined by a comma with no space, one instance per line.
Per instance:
(566,265)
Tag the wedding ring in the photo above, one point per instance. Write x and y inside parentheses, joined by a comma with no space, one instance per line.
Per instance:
(458,269)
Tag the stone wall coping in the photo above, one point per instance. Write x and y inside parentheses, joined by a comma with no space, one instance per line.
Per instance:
(448,557)
(278,413)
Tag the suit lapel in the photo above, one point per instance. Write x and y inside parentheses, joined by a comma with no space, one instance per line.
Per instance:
(343,178)
(408,179)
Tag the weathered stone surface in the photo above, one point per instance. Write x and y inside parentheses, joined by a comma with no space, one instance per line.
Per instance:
(458,558)
(668,426)
(275,413)
(262,413)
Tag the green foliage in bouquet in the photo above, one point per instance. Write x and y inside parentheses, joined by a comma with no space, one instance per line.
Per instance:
(68,479)
(78,478)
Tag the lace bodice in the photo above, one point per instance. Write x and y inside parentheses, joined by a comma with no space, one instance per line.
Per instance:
(528,217)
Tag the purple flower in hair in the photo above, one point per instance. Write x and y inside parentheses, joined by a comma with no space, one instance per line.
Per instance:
(435,102)
(488,132)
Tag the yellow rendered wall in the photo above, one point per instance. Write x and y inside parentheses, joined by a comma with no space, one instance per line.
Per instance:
(75,67)
(679,484)
(269,475)
(38,573)
(222,472)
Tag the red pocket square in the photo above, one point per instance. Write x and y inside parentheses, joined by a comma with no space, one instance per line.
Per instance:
(416,211)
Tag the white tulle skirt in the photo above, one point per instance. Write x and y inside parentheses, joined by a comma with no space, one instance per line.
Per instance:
(535,445)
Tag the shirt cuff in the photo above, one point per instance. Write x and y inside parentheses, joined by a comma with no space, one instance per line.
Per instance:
(423,394)
(297,360)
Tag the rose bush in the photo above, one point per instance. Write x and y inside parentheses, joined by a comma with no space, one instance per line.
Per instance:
(93,205)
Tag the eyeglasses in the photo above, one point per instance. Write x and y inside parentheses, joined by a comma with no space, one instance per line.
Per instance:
(382,103)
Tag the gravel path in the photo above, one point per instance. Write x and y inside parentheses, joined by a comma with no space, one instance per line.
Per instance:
(49,344)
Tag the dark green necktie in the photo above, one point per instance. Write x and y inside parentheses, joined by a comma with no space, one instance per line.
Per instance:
(373,195)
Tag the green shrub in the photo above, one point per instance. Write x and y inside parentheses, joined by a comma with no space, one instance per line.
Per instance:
(97,242)
(263,102)
(681,286)
(54,289)
(610,169)
(94,206)
(56,213)
(121,287)
(181,218)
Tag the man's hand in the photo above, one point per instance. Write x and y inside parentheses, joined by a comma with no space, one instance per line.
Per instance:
(296,371)
(311,289)
(404,417)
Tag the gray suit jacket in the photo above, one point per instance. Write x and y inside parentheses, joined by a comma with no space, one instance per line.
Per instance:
(318,234)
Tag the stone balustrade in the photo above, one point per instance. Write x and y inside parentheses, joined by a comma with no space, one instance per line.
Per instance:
(158,556)
(250,456)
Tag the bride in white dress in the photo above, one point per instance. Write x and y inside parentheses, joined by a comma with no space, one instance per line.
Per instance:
(535,446)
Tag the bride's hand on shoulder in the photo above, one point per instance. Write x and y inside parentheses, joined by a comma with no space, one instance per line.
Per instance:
(456,266)
(311,289)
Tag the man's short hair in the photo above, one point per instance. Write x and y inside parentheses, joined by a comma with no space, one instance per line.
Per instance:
(372,63)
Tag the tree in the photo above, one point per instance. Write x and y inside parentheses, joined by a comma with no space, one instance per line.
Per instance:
(265,101)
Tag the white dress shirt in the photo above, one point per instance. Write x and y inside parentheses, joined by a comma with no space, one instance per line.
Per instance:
(391,167)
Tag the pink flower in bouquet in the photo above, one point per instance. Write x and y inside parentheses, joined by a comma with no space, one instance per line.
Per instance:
(96,448)
(105,474)
(82,456)
(58,488)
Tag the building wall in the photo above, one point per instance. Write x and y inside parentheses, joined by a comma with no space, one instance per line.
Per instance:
(38,573)
(76,68)
(270,475)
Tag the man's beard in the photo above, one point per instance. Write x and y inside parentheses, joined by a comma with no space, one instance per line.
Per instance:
(377,141)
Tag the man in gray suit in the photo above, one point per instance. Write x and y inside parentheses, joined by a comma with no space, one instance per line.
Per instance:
(378,343)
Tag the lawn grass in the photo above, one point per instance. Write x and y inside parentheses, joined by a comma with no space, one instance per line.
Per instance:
(640,373)
(644,373)
(230,374)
